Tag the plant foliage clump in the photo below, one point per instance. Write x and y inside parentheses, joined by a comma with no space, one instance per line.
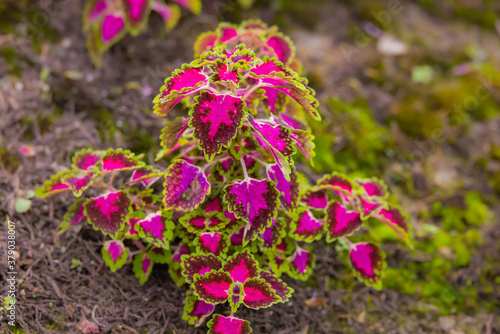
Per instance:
(105,22)
(234,213)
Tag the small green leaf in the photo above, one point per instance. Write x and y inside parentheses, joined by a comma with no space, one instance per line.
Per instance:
(22,205)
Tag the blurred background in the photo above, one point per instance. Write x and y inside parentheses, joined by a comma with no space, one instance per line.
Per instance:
(409,92)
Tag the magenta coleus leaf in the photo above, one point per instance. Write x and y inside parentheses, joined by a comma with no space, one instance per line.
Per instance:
(373,187)
(142,267)
(302,264)
(213,287)
(253,201)
(316,199)
(53,186)
(111,30)
(185,186)
(205,41)
(273,74)
(119,159)
(340,221)
(367,206)
(145,175)
(368,262)
(78,182)
(225,74)
(211,243)
(272,235)
(305,226)
(289,190)
(136,14)
(337,183)
(195,221)
(114,254)
(93,11)
(394,218)
(132,231)
(196,310)
(170,13)
(109,212)
(215,119)
(228,325)
(199,264)
(241,266)
(257,293)
(282,47)
(74,216)
(87,159)
(291,121)
(280,287)
(157,228)
(183,82)
(227,32)
(274,99)
(278,139)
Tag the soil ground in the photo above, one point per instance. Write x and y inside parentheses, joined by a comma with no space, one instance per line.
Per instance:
(70,109)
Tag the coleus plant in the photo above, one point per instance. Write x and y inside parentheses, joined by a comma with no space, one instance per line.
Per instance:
(232,213)
(105,22)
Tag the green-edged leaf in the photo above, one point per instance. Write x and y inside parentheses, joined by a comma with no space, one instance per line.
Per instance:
(114,254)
(215,119)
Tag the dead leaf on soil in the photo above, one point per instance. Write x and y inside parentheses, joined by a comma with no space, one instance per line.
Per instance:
(87,327)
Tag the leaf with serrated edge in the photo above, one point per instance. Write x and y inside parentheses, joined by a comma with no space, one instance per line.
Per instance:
(78,182)
(257,293)
(340,221)
(305,227)
(183,82)
(228,325)
(119,160)
(196,310)
(87,159)
(337,183)
(316,199)
(289,190)
(280,287)
(114,254)
(241,266)
(145,175)
(396,220)
(74,216)
(373,187)
(53,186)
(200,264)
(213,287)
(215,119)
(302,264)
(142,267)
(367,260)
(253,201)
(157,228)
(109,212)
(185,186)
(211,243)
(273,235)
